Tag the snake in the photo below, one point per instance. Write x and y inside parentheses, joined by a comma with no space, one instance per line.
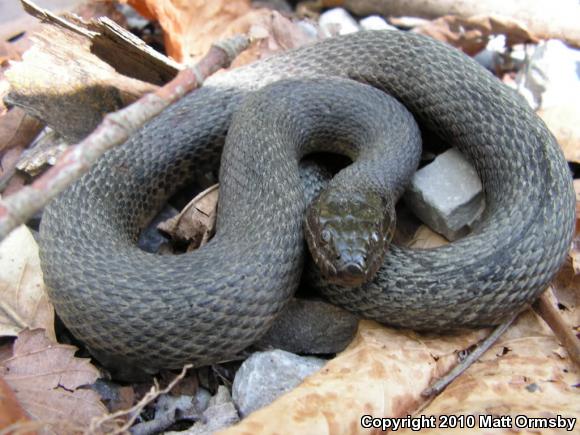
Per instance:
(153,311)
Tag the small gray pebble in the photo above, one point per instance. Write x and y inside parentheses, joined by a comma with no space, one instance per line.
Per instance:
(267,375)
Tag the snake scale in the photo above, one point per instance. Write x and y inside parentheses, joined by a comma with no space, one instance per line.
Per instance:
(162,311)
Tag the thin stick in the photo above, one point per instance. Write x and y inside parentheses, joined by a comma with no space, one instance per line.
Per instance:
(563,332)
(100,424)
(483,347)
(115,129)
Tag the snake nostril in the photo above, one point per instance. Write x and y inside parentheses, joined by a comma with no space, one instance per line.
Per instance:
(354,269)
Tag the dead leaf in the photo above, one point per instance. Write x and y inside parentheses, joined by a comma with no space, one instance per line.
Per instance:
(5,350)
(115,396)
(562,120)
(10,410)
(195,224)
(566,284)
(191,27)
(426,238)
(23,299)
(523,374)
(381,373)
(47,381)
(472,34)
(273,32)
(17,129)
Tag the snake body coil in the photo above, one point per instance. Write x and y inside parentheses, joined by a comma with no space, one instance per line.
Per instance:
(157,311)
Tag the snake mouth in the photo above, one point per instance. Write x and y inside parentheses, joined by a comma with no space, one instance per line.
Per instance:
(352,274)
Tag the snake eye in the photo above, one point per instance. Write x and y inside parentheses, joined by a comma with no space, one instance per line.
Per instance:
(325,236)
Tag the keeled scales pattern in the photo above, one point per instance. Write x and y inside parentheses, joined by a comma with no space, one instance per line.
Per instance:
(157,311)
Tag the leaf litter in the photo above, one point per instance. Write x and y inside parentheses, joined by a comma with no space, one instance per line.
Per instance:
(23,299)
(48,381)
(382,372)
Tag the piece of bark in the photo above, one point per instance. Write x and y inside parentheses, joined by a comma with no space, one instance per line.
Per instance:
(115,129)
(63,70)
(43,153)
(545,20)
(61,83)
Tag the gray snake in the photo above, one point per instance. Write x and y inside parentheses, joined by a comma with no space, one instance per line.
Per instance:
(158,311)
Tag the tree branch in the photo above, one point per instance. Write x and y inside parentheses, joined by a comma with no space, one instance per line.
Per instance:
(115,129)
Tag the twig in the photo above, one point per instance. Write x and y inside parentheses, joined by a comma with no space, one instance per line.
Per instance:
(115,129)
(100,424)
(563,332)
(483,347)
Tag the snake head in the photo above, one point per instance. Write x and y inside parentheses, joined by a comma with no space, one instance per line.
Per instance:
(348,234)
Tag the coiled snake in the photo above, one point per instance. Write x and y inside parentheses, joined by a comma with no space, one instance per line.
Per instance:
(159,311)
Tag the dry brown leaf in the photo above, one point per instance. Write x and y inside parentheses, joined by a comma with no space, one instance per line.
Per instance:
(563,121)
(566,288)
(5,350)
(47,380)
(191,27)
(426,238)
(10,410)
(523,374)
(17,129)
(195,224)
(472,34)
(23,299)
(273,32)
(381,373)
(566,285)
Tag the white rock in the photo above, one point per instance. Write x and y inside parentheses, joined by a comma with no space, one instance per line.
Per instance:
(265,376)
(551,75)
(447,195)
(337,21)
(374,22)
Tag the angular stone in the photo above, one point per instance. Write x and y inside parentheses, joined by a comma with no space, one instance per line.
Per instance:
(310,327)
(267,375)
(447,195)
